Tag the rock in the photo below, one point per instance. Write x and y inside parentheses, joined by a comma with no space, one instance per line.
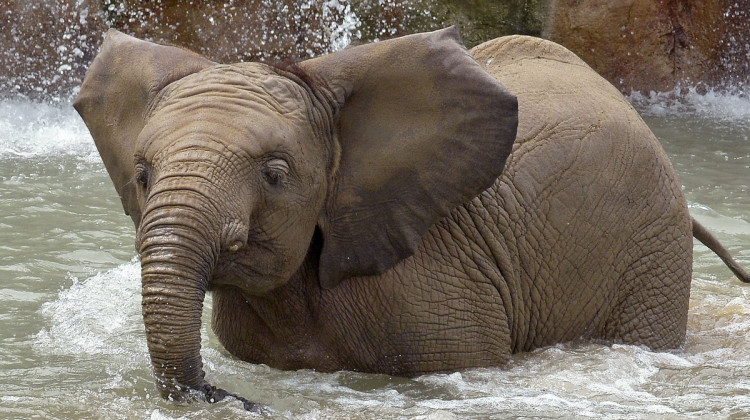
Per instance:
(46,46)
(477,20)
(649,44)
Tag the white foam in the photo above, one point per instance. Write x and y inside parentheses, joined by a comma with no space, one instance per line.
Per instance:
(158,415)
(34,129)
(98,316)
(731,107)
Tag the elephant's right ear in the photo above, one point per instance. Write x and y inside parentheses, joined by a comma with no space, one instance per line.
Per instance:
(116,93)
(421,128)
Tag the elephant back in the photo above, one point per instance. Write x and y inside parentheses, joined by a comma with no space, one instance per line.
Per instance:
(556,90)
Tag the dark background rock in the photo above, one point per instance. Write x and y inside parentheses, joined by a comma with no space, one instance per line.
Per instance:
(477,20)
(656,44)
(45,47)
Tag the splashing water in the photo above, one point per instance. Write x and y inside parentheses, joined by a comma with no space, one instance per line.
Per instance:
(96,330)
(47,46)
(31,129)
(732,108)
(735,49)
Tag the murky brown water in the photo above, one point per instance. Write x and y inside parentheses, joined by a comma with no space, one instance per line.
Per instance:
(72,343)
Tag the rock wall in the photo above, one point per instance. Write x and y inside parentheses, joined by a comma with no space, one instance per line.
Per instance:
(46,46)
(477,20)
(656,44)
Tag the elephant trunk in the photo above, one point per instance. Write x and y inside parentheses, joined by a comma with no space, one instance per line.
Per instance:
(178,255)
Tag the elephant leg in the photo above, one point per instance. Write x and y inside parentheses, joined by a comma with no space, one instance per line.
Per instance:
(652,304)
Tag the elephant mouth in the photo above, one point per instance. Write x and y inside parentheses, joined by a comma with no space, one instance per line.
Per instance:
(250,274)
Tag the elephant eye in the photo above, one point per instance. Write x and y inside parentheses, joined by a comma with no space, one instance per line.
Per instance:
(141,175)
(272,177)
(275,171)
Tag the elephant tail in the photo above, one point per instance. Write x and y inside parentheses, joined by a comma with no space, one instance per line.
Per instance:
(708,239)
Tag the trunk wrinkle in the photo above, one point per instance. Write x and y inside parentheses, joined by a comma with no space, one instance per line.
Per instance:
(175,266)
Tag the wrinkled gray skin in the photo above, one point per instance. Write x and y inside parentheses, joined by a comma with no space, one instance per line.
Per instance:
(357,211)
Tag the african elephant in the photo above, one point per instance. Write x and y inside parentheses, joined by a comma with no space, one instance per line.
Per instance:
(390,207)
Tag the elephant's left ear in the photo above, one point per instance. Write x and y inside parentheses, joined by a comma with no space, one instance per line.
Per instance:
(421,129)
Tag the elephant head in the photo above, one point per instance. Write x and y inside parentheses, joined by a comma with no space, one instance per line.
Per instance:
(228,170)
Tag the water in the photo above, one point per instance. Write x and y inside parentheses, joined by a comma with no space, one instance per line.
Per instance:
(72,343)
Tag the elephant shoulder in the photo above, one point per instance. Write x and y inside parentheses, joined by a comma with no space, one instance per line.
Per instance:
(559,96)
